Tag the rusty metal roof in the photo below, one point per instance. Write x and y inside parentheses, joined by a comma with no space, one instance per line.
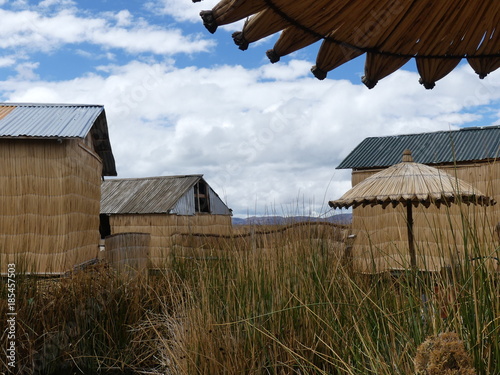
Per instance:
(40,120)
(443,147)
(144,195)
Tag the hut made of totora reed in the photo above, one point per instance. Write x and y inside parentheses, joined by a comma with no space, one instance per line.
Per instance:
(163,207)
(443,236)
(52,159)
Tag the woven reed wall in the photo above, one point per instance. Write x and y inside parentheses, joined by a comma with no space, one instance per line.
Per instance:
(49,199)
(263,237)
(382,242)
(163,227)
(267,239)
(128,252)
(187,233)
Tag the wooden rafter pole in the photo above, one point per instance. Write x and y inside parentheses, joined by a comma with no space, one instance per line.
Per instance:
(411,240)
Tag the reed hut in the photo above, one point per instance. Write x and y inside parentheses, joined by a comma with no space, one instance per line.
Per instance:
(444,235)
(52,159)
(163,207)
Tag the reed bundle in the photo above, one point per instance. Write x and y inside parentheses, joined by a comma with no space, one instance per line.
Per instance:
(269,21)
(228,11)
(437,34)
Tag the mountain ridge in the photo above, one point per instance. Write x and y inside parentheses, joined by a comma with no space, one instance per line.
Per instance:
(280,220)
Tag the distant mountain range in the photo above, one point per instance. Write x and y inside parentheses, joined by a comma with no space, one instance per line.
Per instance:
(280,220)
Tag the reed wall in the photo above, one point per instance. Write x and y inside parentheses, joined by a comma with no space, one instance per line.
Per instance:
(271,237)
(49,199)
(128,252)
(162,229)
(443,236)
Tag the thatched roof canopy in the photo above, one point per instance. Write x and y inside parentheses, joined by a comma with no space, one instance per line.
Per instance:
(437,34)
(411,183)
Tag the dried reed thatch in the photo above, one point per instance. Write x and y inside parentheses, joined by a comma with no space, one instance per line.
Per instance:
(443,354)
(263,238)
(409,184)
(437,34)
(50,204)
(162,228)
(128,252)
(439,233)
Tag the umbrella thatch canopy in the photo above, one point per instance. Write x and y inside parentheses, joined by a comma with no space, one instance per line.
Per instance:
(411,184)
(438,34)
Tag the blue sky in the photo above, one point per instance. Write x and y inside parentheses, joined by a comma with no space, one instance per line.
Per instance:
(180,100)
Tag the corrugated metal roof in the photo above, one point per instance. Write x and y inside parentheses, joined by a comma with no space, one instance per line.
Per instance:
(48,120)
(144,195)
(467,144)
(41,120)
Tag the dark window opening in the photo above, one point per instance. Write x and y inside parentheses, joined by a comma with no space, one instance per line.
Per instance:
(104,226)
(201,200)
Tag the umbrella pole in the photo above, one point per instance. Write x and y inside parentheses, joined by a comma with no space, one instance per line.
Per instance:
(411,241)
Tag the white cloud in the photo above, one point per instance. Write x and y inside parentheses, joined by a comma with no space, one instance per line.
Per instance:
(181,10)
(263,140)
(26,71)
(187,11)
(123,18)
(58,3)
(6,61)
(33,31)
(93,56)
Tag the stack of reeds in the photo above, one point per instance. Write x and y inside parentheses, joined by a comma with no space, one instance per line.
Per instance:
(437,34)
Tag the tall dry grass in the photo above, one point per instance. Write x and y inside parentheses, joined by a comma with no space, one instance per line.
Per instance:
(88,322)
(296,308)
(235,307)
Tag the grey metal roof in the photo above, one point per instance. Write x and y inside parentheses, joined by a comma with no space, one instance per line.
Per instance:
(144,195)
(42,120)
(443,147)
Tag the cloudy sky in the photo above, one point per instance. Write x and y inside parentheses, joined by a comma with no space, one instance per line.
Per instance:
(180,100)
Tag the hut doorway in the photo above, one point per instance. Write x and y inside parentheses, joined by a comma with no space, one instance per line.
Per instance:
(104,226)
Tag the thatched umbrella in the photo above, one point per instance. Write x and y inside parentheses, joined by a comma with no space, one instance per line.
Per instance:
(438,34)
(411,184)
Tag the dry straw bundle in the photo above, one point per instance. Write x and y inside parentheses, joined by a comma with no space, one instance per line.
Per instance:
(443,354)
(437,34)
